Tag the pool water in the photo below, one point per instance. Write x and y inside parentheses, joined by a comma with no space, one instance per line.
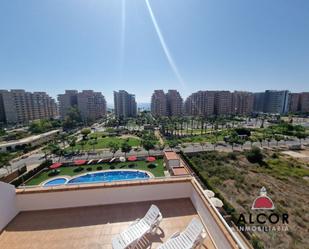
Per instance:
(109,176)
(56,181)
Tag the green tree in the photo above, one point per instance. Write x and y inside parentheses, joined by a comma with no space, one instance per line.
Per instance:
(125,147)
(82,144)
(40,126)
(85,132)
(72,142)
(113,147)
(148,145)
(72,119)
(255,155)
(172,143)
(300,136)
(2,132)
(54,149)
(278,138)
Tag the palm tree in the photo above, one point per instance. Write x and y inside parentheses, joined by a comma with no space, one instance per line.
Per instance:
(203,144)
(82,144)
(72,143)
(114,147)
(278,138)
(252,140)
(46,151)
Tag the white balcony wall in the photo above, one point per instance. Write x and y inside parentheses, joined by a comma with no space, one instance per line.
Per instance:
(103,196)
(8,207)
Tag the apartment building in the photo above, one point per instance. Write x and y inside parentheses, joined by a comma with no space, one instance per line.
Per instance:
(67,101)
(200,103)
(258,101)
(124,104)
(242,103)
(304,102)
(21,107)
(174,103)
(91,105)
(2,110)
(294,102)
(223,103)
(276,101)
(159,103)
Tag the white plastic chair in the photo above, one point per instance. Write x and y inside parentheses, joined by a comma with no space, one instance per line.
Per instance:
(190,238)
(131,236)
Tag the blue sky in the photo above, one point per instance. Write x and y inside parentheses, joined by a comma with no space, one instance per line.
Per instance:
(106,45)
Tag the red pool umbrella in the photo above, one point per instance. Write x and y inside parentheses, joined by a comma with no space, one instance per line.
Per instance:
(151,159)
(79,162)
(132,158)
(55,165)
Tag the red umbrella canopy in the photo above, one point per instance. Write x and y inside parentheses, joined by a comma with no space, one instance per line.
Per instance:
(151,159)
(55,166)
(79,162)
(132,158)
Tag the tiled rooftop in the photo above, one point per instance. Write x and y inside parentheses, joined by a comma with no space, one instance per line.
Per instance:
(93,227)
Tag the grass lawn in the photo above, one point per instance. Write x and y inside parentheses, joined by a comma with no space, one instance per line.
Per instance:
(158,171)
(102,143)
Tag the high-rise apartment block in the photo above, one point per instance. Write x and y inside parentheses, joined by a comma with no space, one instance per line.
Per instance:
(294,102)
(169,104)
(21,107)
(276,101)
(174,103)
(304,102)
(258,101)
(201,103)
(208,103)
(242,103)
(91,105)
(125,104)
(67,101)
(223,103)
(159,103)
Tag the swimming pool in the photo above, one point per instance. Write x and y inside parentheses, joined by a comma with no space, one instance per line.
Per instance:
(56,181)
(108,176)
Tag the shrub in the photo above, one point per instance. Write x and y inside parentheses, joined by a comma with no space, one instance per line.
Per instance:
(232,155)
(274,155)
(131,165)
(89,169)
(256,243)
(151,166)
(99,168)
(79,169)
(54,173)
(112,167)
(255,155)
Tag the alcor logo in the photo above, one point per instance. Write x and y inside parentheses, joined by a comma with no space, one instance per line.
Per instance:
(263,201)
(261,220)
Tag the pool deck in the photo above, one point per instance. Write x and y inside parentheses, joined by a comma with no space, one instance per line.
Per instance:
(94,227)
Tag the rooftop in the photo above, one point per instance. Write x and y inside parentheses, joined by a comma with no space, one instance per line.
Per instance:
(171,155)
(178,171)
